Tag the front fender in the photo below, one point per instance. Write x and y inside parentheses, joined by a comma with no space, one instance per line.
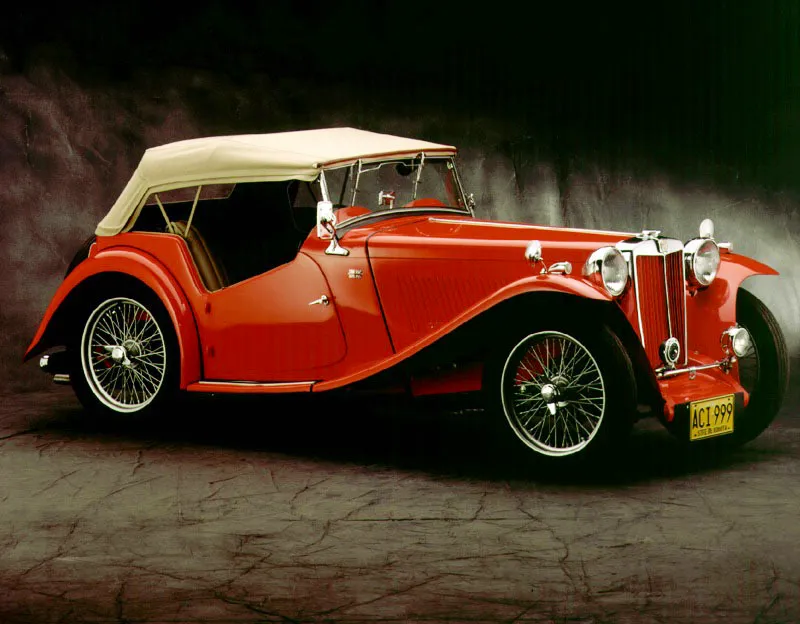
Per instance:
(712,310)
(561,284)
(116,261)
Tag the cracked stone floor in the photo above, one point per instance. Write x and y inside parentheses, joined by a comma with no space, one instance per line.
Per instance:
(282,511)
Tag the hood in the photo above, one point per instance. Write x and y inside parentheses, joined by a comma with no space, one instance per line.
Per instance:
(463,238)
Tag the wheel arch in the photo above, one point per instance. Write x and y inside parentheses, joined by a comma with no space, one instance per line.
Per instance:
(111,270)
(734,271)
(513,315)
(471,337)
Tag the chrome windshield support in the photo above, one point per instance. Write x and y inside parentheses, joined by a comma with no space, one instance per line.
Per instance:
(469,200)
(419,173)
(355,182)
(323,185)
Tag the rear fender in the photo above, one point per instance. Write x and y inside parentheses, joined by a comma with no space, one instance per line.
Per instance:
(104,270)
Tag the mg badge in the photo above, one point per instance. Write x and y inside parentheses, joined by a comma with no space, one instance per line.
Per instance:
(355,273)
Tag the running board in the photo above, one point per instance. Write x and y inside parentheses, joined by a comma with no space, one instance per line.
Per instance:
(250,387)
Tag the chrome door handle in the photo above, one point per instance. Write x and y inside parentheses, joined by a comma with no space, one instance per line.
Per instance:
(322,300)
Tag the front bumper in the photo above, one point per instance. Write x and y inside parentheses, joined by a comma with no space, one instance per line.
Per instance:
(681,424)
(681,390)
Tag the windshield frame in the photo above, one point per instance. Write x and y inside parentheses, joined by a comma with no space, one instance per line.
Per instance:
(354,170)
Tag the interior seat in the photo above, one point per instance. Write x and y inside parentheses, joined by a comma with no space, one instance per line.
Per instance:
(212,272)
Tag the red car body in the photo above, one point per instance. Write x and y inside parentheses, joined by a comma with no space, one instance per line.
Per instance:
(325,321)
(400,304)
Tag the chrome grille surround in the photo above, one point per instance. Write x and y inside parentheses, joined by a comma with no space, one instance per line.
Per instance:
(648,246)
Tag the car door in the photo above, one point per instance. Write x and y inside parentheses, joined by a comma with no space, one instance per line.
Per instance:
(278,326)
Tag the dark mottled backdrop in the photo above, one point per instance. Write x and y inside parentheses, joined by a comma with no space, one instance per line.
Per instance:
(616,117)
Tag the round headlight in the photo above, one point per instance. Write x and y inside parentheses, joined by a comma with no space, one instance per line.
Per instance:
(607,267)
(702,261)
(741,342)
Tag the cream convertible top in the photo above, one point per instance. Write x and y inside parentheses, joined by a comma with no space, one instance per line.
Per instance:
(254,158)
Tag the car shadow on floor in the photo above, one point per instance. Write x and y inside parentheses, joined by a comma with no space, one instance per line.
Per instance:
(395,433)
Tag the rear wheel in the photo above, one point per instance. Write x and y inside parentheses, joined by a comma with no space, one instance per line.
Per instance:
(565,394)
(125,356)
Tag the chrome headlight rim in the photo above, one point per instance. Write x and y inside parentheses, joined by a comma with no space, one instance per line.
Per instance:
(695,250)
(598,266)
(737,340)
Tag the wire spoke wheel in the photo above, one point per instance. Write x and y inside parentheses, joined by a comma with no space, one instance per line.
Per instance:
(554,394)
(123,355)
(763,370)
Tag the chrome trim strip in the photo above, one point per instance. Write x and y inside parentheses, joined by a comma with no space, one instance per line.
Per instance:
(62,379)
(685,317)
(532,226)
(522,226)
(666,296)
(685,314)
(254,384)
(635,277)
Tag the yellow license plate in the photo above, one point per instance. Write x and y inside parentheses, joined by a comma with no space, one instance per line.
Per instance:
(711,417)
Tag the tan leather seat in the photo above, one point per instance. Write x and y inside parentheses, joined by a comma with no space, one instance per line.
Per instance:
(211,272)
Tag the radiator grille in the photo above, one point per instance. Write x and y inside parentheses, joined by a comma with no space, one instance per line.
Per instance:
(661,300)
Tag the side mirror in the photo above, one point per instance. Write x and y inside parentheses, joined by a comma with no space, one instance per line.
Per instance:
(326,229)
(326,220)
(533,252)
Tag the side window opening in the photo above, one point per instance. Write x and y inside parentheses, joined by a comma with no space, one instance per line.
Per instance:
(236,231)
(304,207)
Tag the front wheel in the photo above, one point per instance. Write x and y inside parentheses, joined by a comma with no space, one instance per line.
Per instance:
(125,357)
(565,394)
(763,371)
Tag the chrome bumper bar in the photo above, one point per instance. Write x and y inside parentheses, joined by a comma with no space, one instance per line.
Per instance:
(723,365)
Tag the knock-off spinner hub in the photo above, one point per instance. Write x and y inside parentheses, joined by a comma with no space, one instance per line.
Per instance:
(548,392)
(118,354)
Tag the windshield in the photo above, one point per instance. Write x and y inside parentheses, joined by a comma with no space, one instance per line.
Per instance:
(366,188)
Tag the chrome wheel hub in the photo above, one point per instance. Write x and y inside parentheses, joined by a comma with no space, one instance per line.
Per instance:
(132,348)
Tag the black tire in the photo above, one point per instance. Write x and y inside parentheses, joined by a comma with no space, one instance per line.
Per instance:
(595,413)
(764,374)
(124,355)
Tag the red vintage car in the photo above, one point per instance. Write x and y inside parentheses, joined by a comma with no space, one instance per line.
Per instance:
(317,260)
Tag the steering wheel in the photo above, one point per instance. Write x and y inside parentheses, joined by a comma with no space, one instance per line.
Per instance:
(426,202)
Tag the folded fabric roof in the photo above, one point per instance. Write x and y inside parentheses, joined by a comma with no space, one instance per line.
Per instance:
(298,155)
